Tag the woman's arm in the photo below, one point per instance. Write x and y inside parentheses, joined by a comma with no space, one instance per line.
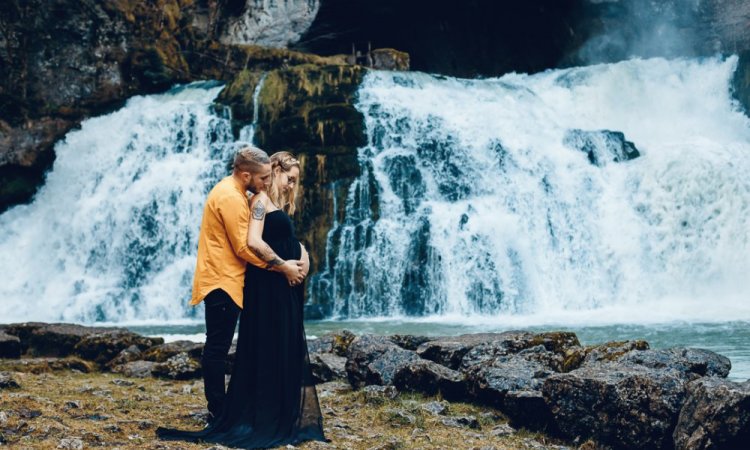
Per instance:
(257,245)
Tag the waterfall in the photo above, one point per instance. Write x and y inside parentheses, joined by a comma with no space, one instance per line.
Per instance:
(112,234)
(474,202)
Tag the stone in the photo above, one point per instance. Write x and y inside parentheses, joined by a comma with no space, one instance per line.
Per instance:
(609,351)
(375,360)
(436,408)
(461,422)
(378,395)
(389,59)
(601,147)
(400,417)
(430,379)
(620,406)
(136,369)
(46,365)
(327,366)
(178,367)
(716,414)
(10,346)
(51,339)
(122,383)
(105,346)
(409,342)
(8,382)
(132,353)
(162,352)
(71,444)
(692,363)
(502,430)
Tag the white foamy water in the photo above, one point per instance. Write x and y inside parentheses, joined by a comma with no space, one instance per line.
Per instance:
(484,214)
(112,235)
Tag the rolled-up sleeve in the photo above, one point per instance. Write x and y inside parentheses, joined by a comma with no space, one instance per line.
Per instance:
(235,213)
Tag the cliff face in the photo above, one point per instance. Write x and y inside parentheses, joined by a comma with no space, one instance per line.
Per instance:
(308,110)
(63,61)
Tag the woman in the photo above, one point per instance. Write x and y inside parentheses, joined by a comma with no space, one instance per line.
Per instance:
(271,400)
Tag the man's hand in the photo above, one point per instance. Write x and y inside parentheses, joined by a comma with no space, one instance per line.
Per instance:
(292,270)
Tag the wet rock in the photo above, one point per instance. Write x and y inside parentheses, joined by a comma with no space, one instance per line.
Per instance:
(378,395)
(692,363)
(621,406)
(513,385)
(10,346)
(51,339)
(336,343)
(46,365)
(609,351)
(375,360)
(327,366)
(178,367)
(136,369)
(716,414)
(461,422)
(104,346)
(474,349)
(430,378)
(408,341)
(132,353)
(163,352)
(8,382)
(389,59)
(436,408)
(601,147)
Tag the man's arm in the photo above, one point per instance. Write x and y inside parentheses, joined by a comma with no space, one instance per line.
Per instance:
(233,212)
(291,269)
(305,259)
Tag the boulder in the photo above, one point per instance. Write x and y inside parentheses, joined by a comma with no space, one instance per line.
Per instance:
(378,395)
(135,369)
(430,378)
(617,405)
(716,414)
(450,351)
(692,363)
(10,346)
(513,385)
(178,367)
(609,351)
(602,146)
(375,360)
(51,339)
(46,365)
(409,342)
(337,343)
(163,352)
(102,347)
(327,367)
(132,353)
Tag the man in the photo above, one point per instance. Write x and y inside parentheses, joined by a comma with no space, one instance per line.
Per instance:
(222,256)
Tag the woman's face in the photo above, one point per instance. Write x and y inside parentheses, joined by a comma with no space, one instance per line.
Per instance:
(287,180)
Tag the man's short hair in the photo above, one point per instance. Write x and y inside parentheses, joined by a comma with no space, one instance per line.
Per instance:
(250,159)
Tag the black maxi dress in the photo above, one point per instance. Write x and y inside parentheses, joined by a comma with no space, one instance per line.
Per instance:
(271,399)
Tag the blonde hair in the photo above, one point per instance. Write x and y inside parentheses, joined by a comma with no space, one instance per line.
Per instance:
(286,201)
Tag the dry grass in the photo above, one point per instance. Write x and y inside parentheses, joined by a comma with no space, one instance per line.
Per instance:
(104,410)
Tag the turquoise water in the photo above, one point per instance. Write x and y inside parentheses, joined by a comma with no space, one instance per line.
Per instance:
(731,339)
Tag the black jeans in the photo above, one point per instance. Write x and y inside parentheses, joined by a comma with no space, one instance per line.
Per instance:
(221,320)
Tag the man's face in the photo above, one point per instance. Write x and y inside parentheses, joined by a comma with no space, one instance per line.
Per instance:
(260,180)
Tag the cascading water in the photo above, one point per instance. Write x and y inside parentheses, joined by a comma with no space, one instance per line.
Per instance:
(472,202)
(112,234)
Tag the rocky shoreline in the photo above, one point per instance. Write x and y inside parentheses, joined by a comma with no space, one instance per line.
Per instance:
(613,395)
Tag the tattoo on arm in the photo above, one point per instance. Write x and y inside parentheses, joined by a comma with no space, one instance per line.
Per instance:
(264,252)
(259,210)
